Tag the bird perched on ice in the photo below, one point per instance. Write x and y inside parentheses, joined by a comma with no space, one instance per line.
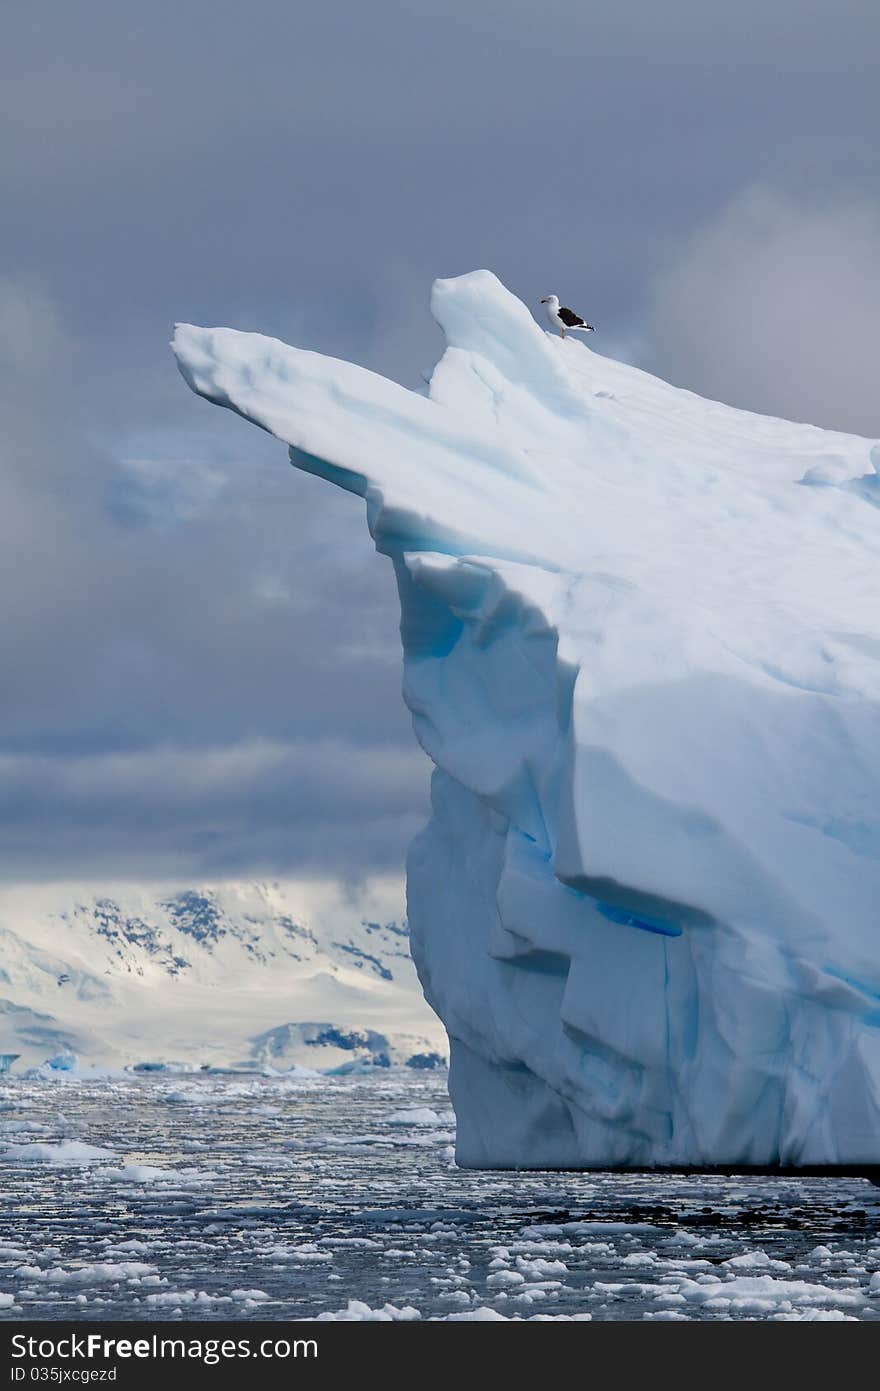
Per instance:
(563,318)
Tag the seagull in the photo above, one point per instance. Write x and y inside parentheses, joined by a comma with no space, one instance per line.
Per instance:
(563,318)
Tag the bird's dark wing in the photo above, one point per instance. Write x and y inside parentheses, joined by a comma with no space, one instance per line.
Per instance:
(570,319)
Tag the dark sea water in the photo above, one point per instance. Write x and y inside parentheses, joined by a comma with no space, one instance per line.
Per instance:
(279,1198)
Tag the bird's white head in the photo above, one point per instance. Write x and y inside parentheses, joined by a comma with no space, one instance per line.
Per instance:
(552,300)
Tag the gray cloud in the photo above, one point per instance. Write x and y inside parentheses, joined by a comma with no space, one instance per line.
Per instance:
(775,305)
(253,807)
(183,615)
(171,702)
(278,167)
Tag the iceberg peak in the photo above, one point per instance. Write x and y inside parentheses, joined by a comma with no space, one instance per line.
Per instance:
(642,647)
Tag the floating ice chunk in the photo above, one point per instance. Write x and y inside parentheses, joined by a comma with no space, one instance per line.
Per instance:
(92,1273)
(357,1311)
(414,1115)
(482,1314)
(62,1062)
(505,1277)
(62,1152)
(180,1298)
(137,1173)
(759,1292)
(755,1260)
(814,1316)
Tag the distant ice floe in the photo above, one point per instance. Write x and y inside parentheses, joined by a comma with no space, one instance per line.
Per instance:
(414,1115)
(58,1152)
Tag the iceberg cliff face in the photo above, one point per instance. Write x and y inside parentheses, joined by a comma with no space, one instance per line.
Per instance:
(642,647)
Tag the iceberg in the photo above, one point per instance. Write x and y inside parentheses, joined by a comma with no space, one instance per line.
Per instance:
(641,640)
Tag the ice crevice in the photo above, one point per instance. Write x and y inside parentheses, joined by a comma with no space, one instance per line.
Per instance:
(643,663)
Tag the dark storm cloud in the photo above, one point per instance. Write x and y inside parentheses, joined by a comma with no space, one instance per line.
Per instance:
(697,177)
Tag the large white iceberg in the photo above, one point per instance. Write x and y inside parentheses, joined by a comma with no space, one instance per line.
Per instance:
(641,639)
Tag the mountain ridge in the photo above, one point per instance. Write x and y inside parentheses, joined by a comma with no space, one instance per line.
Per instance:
(132,973)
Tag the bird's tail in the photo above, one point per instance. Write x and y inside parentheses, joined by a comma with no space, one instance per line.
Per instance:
(582,328)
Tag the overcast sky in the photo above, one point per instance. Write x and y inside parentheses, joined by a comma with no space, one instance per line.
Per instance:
(200,655)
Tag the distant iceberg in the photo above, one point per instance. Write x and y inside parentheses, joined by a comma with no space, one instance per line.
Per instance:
(325,1047)
(641,640)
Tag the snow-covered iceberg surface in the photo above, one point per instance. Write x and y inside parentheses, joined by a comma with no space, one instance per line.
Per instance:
(641,639)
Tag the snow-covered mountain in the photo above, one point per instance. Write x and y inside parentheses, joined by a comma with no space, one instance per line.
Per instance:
(642,646)
(233,973)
